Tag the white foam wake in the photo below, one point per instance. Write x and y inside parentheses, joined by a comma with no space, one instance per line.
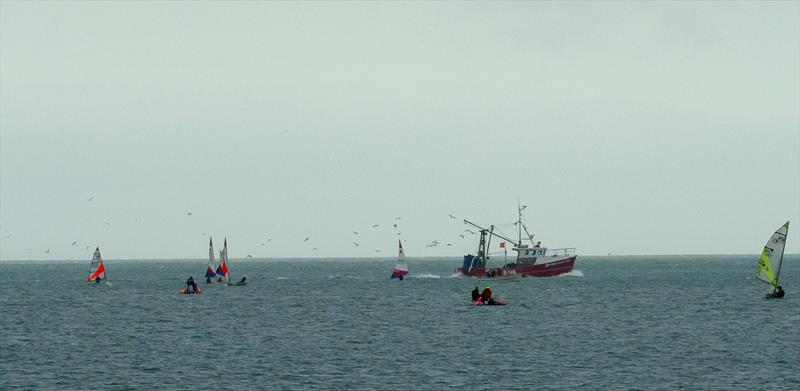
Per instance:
(573,273)
(427,275)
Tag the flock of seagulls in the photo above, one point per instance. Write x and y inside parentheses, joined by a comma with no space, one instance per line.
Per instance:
(433,243)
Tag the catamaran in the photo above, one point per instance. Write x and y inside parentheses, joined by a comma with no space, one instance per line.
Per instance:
(210,270)
(532,260)
(769,264)
(400,267)
(97,270)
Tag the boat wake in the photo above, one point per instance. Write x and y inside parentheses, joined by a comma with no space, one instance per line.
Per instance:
(427,275)
(456,275)
(339,277)
(573,273)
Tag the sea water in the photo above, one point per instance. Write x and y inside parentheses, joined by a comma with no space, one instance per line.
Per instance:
(666,322)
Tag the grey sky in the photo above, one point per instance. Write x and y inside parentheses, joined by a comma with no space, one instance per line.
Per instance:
(632,128)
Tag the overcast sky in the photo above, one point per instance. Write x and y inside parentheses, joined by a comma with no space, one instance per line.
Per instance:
(630,128)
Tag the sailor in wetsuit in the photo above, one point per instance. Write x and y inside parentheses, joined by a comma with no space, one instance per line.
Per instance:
(476,294)
(778,293)
(190,284)
(486,295)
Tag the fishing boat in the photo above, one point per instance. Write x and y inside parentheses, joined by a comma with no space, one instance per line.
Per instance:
(768,270)
(210,270)
(532,260)
(400,267)
(97,270)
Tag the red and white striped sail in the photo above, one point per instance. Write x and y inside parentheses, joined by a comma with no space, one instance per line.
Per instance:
(400,267)
(97,271)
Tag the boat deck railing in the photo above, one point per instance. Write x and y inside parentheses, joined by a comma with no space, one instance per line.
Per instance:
(560,252)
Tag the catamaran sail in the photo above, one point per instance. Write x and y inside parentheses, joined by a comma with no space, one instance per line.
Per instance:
(210,270)
(222,268)
(97,271)
(400,267)
(769,264)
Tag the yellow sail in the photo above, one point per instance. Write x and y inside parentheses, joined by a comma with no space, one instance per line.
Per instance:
(769,264)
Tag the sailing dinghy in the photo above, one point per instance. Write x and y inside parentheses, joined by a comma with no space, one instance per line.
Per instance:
(769,264)
(224,262)
(210,270)
(97,270)
(400,267)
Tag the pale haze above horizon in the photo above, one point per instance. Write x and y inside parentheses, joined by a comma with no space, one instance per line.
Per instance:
(626,128)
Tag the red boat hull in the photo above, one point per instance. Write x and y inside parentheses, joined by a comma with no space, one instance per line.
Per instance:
(547,269)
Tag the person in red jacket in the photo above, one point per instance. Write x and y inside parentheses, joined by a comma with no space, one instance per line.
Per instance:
(486,295)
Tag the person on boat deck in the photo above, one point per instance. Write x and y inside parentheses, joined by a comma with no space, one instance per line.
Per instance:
(476,293)
(486,295)
(190,284)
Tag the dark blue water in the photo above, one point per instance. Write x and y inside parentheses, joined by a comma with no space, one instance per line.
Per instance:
(628,323)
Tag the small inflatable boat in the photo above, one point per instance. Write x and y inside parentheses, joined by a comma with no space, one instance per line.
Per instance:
(185,291)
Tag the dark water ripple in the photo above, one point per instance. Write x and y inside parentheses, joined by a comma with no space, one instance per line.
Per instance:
(654,323)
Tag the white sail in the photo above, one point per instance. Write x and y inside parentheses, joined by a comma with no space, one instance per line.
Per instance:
(769,264)
(97,270)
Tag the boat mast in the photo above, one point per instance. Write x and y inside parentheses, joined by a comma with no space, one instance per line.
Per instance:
(778,275)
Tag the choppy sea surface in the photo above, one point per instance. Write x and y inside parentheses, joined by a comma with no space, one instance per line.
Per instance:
(666,322)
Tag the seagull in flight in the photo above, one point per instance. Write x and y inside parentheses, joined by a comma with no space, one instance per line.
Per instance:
(462,236)
(376,225)
(189,213)
(398,218)
(47,251)
(394,225)
(378,251)
(314,249)
(249,256)
(306,239)
(355,233)
(90,199)
(356,244)
(466,230)
(74,243)
(452,217)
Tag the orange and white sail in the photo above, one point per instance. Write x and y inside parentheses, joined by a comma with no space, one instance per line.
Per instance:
(97,270)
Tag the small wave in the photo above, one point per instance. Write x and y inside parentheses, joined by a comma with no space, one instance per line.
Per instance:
(456,275)
(282,278)
(339,277)
(574,273)
(427,275)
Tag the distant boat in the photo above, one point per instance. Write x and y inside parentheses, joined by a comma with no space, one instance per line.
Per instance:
(769,264)
(531,261)
(210,270)
(224,261)
(97,270)
(400,267)
(222,267)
